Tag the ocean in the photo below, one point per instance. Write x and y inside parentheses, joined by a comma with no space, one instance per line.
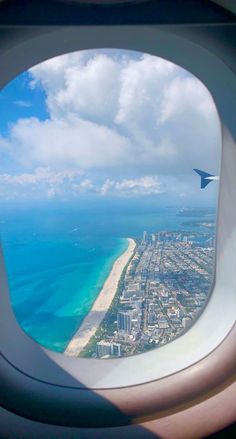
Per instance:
(59,255)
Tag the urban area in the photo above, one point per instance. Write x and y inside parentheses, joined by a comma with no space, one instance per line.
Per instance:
(161,292)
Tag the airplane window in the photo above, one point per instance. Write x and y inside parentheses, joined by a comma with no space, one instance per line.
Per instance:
(109,183)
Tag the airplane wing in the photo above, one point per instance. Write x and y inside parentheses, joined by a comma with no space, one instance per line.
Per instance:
(205,177)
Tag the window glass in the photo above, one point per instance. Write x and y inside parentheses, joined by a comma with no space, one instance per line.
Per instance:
(108,189)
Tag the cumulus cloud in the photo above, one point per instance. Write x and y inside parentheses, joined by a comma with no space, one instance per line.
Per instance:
(84,186)
(184,95)
(40,175)
(148,185)
(165,115)
(42,181)
(141,87)
(89,89)
(72,141)
(49,183)
(121,114)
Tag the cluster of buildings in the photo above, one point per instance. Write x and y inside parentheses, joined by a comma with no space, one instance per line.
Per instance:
(164,289)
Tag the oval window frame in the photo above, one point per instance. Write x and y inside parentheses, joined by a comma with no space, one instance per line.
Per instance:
(143,397)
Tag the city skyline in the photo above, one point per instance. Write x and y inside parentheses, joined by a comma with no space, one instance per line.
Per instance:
(161,292)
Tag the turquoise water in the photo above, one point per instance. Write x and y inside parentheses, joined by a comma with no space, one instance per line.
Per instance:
(58,257)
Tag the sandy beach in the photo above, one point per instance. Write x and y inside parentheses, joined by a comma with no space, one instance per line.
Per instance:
(101,305)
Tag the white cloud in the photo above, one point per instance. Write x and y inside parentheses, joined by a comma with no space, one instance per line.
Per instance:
(124,117)
(158,110)
(141,86)
(25,104)
(84,186)
(90,89)
(183,95)
(72,142)
(43,181)
(51,73)
(46,182)
(148,185)
(45,175)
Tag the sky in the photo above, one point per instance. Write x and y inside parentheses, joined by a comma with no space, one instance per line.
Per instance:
(107,123)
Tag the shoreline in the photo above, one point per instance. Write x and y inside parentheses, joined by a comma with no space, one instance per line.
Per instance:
(93,319)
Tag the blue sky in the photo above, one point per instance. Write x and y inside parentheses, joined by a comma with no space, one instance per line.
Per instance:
(18,101)
(107,123)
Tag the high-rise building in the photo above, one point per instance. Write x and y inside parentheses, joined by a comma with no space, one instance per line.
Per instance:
(144,237)
(124,321)
(104,348)
(152,318)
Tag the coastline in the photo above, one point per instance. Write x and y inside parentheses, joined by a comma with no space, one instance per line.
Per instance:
(101,305)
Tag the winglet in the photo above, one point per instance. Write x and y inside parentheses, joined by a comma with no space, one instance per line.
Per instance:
(205,177)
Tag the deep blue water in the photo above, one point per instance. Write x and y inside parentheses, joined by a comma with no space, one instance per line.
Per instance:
(58,257)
